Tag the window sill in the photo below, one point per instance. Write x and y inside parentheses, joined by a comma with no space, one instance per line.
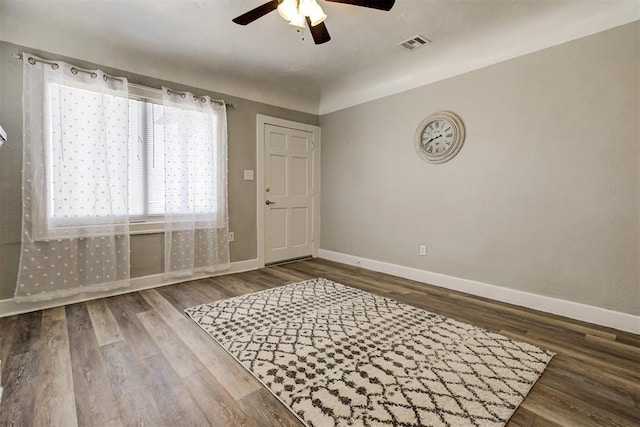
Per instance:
(158,226)
(148,227)
(134,228)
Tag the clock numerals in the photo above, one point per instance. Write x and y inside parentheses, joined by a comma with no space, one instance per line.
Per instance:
(439,137)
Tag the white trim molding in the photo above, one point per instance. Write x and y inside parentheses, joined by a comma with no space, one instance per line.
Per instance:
(574,310)
(9,307)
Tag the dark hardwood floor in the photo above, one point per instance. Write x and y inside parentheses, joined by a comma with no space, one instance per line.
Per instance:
(136,359)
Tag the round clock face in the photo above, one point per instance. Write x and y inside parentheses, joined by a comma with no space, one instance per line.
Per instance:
(439,137)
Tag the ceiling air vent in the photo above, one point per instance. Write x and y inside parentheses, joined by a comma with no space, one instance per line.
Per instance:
(414,42)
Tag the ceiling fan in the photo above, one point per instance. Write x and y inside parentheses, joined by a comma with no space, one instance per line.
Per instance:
(299,12)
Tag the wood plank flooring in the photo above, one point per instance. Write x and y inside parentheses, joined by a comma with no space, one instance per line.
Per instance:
(136,359)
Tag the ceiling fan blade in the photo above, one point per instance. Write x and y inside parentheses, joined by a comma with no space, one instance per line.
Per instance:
(374,4)
(319,33)
(256,13)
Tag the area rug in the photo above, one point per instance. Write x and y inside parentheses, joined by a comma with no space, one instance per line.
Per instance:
(335,355)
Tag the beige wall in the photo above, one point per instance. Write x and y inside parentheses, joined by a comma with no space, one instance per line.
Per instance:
(544,195)
(147,250)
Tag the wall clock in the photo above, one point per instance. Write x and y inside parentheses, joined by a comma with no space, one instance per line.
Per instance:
(439,137)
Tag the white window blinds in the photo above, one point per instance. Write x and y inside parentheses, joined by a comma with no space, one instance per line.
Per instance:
(194,165)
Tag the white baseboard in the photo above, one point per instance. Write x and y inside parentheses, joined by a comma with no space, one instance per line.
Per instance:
(9,307)
(574,310)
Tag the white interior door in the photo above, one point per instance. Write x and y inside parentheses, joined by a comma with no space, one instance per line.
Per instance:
(288,193)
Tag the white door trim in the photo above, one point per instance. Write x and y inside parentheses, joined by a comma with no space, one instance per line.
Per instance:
(263,120)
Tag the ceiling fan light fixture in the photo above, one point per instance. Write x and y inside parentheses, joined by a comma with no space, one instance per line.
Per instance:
(316,14)
(312,9)
(288,9)
(298,21)
(306,6)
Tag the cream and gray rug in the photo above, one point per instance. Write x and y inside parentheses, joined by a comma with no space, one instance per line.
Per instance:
(336,355)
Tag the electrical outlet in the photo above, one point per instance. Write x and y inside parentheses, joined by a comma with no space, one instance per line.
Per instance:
(423,250)
(231,236)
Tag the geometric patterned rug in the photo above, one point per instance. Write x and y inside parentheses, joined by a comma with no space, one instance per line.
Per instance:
(339,356)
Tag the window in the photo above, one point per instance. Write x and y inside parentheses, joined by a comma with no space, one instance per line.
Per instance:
(95,156)
(148,187)
(187,174)
(146,160)
(85,156)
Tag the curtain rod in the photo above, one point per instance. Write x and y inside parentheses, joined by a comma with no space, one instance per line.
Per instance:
(106,77)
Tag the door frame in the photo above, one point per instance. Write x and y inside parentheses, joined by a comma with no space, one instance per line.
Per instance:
(263,120)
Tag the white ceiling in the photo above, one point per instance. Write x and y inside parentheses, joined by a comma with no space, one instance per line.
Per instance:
(194,42)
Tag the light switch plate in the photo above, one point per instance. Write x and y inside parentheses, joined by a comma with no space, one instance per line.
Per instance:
(248,175)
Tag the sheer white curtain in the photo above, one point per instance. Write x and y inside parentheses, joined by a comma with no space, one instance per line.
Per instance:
(75,232)
(195,176)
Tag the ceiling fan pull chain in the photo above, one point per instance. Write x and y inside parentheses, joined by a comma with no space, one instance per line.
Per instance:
(301,31)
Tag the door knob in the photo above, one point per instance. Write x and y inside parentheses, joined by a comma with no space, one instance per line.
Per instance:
(269,202)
